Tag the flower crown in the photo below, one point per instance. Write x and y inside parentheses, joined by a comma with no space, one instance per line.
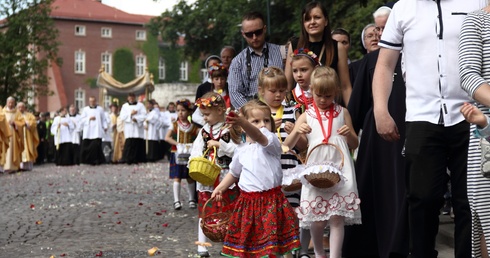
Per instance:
(184,102)
(217,67)
(214,101)
(308,53)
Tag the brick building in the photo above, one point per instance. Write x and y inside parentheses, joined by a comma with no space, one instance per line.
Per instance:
(90,32)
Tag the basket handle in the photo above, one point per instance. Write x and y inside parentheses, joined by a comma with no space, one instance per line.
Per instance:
(214,156)
(333,145)
(297,156)
(206,204)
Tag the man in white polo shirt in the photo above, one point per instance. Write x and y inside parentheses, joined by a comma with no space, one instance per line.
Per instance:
(437,136)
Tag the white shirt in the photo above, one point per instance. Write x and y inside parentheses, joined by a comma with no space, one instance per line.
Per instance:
(133,129)
(153,124)
(431,57)
(75,134)
(64,134)
(93,129)
(108,133)
(258,167)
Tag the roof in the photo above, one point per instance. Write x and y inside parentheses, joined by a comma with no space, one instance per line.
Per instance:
(94,10)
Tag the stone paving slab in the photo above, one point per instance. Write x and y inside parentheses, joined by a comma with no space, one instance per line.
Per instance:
(95,211)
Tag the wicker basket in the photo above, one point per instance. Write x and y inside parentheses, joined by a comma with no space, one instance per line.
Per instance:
(327,178)
(295,184)
(203,170)
(215,225)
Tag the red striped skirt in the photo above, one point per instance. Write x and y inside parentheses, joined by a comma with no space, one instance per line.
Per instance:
(263,223)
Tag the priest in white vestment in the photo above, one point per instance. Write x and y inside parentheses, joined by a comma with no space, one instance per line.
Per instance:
(93,124)
(63,129)
(133,114)
(75,134)
(152,128)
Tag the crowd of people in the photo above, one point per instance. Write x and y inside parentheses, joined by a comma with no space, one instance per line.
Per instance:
(393,126)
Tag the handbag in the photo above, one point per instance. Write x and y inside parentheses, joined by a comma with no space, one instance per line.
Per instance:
(183,150)
(485,157)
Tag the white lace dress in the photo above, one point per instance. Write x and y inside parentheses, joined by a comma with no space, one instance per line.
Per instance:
(318,204)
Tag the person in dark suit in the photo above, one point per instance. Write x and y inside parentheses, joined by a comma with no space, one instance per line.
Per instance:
(42,131)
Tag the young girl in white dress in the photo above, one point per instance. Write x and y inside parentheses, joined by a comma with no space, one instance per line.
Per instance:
(263,223)
(327,122)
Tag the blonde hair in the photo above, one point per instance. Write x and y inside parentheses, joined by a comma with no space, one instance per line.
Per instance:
(254,104)
(211,100)
(324,80)
(272,77)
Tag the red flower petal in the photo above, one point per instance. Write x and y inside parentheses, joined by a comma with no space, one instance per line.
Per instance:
(158,213)
(116,212)
(165,225)
(140,203)
(104,212)
(99,216)
(99,253)
(119,222)
(39,222)
(32,206)
(62,255)
(164,210)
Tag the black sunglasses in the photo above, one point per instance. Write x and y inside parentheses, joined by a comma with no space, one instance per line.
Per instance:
(252,33)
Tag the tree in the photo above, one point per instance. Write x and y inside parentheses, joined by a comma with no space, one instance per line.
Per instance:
(28,45)
(210,24)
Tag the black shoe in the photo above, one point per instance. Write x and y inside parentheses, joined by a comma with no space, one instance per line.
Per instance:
(177,206)
(447,207)
(203,254)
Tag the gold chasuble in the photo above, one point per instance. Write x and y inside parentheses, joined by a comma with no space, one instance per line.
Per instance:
(16,144)
(118,139)
(4,137)
(31,138)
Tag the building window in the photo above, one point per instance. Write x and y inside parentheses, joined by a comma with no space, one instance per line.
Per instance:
(140,65)
(79,61)
(140,35)
(107,101)
(79,30)
(204,73)
(183,71)
(79,98)
(161,68)
(106,61)
(106,32)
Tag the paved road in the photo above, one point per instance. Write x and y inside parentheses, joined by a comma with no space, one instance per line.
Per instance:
(84,211)
(98,211)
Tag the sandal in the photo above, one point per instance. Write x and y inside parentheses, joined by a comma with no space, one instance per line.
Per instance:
(203,254)
(177,206)
(192,204)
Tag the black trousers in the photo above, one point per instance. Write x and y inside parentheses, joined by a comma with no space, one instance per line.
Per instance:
(430,150)
(134,151)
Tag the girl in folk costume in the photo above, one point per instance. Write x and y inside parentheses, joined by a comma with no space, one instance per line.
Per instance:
(182,131)
(263,223)
(327,122)
(303,62)
(62,129)
(218,74)
(272,90)
(214,134)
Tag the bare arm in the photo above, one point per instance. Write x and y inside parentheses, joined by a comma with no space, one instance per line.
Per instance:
(382,86)
(288,71)
(251,131)
(300,128)
(227,181)
(343,71)
(349,132)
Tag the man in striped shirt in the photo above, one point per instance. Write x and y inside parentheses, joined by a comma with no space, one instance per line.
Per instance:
(245,67)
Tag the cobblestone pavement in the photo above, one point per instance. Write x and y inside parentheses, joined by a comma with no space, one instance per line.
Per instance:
(92,211)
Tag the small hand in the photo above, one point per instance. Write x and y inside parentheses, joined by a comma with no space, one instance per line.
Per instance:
(304,128)
(92,118)
(217,194)
(344,130)
(278,122)
(134,112)
(473,115)
(288,127)
(213,143)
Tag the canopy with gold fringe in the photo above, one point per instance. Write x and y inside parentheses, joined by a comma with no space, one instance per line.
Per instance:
(141,85)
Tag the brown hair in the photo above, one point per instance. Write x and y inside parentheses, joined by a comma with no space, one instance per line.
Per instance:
(272,77)
(253,104)
(328,42)
(324,80)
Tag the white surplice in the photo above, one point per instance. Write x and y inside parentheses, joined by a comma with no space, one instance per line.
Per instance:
(133,128)
(93,129)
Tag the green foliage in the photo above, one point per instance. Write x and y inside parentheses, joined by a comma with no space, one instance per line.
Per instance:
(123,65)
(195,71)
(150,48)
(208,25)
(172,59)
(28,45)
(92,82)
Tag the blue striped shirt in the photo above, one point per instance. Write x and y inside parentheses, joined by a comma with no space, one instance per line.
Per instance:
(240,86)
